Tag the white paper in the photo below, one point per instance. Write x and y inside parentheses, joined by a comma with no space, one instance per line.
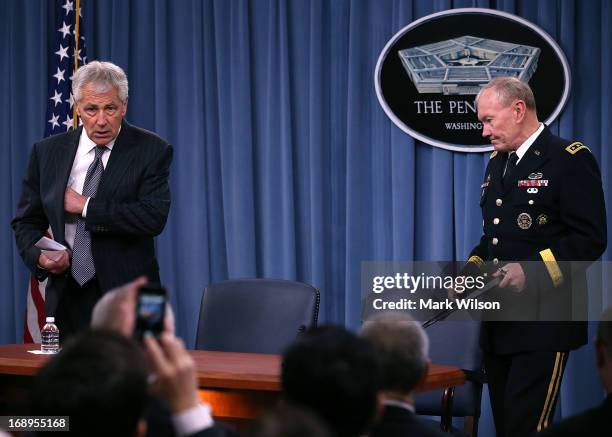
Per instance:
(39,352)
(48,244)
(54,255)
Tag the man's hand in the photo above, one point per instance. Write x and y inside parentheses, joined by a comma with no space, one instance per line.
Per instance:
(176,380)
(55,267)
(74,202)
(513,277)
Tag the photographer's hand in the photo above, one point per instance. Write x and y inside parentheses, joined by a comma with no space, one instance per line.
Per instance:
(175,370)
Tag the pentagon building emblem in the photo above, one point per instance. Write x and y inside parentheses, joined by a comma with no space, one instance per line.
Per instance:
(428,74)
(463,65)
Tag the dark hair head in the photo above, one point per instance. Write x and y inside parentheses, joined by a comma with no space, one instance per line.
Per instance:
(99,380)
(336,374)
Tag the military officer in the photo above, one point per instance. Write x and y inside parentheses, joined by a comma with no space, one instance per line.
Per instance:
(542,204)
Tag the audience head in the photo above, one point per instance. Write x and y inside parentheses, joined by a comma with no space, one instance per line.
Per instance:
(603,349)
(335,374)
(99,380)
(403,349)
(289,421)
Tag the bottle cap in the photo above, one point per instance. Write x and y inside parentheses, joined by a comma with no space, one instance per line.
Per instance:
(50,319)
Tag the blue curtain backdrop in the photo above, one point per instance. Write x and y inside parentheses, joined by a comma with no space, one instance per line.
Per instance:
(285,164)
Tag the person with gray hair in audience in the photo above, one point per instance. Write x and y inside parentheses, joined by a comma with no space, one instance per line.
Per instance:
(597,421)
(403,348)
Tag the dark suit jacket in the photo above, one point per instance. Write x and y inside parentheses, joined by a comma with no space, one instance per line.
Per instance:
(593,423)
(400,422)
(130,207)
(562,219)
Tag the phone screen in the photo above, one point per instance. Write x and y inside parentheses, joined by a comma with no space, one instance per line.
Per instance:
(150,310)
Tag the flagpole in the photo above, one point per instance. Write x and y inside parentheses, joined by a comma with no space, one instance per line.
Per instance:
(77,13)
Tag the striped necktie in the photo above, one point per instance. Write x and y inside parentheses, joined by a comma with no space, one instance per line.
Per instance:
(82,261)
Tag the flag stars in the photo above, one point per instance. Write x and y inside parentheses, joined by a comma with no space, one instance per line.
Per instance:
(57,98)
(59,75)
(54,121)
(65,29)
(62,52)
(67,122)
(68,6)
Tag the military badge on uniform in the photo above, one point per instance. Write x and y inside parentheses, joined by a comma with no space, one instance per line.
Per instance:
(576,147)
(533,183)
(524,220)
(532,190)
(535,176)
(542,219)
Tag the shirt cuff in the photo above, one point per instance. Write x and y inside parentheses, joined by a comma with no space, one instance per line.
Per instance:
(84,213)
(192,420)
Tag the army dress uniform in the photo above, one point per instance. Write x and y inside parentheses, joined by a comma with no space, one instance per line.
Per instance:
(548,210)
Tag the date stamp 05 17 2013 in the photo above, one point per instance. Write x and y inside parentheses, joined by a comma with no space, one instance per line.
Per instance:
(34,423)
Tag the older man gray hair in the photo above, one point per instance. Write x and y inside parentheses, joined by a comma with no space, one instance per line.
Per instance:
(403,348)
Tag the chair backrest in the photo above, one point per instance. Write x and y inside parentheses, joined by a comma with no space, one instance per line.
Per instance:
(255,315)
(455,343)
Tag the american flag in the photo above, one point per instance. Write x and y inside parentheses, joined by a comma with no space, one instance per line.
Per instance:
(61,117)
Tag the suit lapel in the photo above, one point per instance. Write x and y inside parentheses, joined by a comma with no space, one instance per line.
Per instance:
(120,160)
(534,158)
(66,151)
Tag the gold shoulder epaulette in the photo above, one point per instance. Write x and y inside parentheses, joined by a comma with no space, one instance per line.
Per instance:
(576,147)
(493,155)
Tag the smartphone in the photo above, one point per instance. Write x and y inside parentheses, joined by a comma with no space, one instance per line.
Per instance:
(150,310)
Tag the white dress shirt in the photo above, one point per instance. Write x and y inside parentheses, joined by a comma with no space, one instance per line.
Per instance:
(193,420)
(520,152)
(85,155)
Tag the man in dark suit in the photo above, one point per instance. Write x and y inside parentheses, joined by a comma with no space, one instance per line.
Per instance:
(543,206)
(403,348)
(103,190)
(596,421)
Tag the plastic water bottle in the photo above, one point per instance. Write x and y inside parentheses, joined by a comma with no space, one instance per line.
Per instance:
(49,337)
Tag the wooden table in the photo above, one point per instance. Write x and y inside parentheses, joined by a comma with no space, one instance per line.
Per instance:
(237,385)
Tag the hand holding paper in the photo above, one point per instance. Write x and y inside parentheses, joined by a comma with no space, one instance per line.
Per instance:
(54,256)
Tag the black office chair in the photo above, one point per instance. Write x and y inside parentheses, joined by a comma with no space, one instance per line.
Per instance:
(456,343)
(255,315)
